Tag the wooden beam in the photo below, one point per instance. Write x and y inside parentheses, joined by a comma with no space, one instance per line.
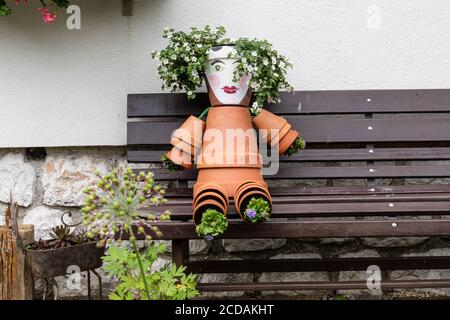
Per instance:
(16,281)
(127,8)
(321,285)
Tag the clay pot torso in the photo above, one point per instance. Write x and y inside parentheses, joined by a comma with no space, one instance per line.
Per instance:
(229,154)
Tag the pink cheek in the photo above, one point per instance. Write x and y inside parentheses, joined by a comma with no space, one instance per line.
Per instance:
(243,81)
(214,81)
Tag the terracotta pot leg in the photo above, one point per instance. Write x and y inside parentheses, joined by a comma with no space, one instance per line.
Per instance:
(244,193)
(209,196)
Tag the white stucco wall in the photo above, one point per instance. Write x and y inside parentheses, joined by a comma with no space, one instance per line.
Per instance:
(66,88)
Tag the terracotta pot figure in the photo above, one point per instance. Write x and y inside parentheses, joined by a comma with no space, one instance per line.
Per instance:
(228,161)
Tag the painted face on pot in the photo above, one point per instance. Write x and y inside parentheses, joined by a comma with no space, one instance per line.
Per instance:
(219,73)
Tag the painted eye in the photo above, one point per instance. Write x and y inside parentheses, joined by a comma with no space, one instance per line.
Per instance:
(218,67)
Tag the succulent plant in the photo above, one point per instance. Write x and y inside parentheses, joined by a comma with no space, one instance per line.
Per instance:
(60,233)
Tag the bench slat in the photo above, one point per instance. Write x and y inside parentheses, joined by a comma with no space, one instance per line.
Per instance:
(308,191)
(297,171)
(349,198)
(312,229)
(323,264)
(152,156)
(321,285)
(312,102)
(321,131)
(295,208)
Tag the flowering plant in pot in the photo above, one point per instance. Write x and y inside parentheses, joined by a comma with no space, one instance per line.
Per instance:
(116,207)
(234,71)
(258,209)
(47,10)
(213,224)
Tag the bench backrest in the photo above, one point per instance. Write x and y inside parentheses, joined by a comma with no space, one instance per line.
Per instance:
(368,134)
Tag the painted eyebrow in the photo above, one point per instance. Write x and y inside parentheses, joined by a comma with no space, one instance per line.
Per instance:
(217,61)
(237,61)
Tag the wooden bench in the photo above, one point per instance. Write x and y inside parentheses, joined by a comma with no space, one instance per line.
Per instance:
(367,134)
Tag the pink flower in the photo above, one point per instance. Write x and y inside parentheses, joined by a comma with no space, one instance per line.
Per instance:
(47,15)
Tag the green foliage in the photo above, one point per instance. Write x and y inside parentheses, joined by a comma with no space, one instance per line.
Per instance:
(266,67)
(169,165)
(167,283)
(4,8)
(183,60)
(213,224)
(255,109)
(257,210)
(113,206)
(116,202)
(61,232)
(299,144)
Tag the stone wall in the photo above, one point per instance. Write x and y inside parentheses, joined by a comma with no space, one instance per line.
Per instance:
(47,183)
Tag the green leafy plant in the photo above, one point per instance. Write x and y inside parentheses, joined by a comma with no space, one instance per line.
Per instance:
(168,283)
(255,109)
(266,67)
(213,224)
(4,8)
(183,60)
(60,232)
(169,165)
(299,144)
(258,209)
(61,236)
(114,208)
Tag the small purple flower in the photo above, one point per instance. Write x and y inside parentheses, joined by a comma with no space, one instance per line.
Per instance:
(250,213)
(209,237)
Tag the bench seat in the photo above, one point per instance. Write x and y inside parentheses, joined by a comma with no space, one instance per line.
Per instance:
(393,142)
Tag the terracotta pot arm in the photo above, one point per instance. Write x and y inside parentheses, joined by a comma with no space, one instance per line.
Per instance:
(275,130)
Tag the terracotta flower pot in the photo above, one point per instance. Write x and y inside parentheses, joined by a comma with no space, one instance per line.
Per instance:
(248,186)
(209,195)
(273,126)
(287,141)
(181,158)
(229,140)
(187,141)
(245,199)
(284,130)
(249,192)
(205,205)
(244,194)
(190,132)
(182,145)
(219,68)
(228,178)
(282,137)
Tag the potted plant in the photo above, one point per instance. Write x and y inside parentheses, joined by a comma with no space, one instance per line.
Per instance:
(235,71)
(213,223)
(118,206)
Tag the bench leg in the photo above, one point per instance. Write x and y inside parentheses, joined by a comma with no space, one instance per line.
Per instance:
(180,251)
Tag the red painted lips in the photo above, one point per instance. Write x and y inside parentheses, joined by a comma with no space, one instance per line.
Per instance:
(230,90)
